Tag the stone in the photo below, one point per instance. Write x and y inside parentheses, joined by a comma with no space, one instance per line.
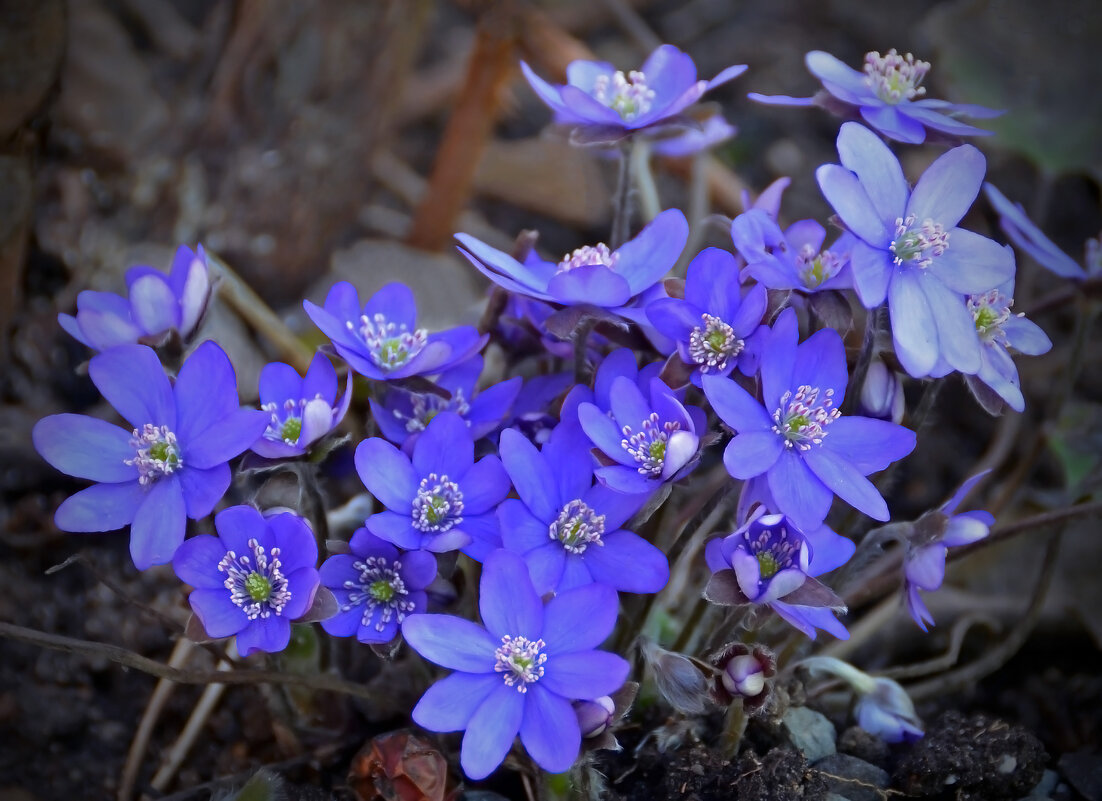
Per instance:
(852,778)
(810,732)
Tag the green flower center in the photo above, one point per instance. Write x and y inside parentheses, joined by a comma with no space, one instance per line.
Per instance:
(291,429)
(258,587)
(767,564)
(381,590)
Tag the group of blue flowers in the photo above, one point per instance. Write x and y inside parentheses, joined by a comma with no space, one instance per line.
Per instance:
(565,466)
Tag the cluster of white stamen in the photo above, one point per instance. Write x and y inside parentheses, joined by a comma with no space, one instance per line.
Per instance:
(920,245)
(816,268)
(577,527)
(426,407)
(438,505)
(712,343)
(629,96)
(802,420)
(773,550)
(286,424)
(589,255)
(989,311)
(390,345)
(156,453)
(379,587)
(894,77)
(255,581)
(520,660)
(648,446)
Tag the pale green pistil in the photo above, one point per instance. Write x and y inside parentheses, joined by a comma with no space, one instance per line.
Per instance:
(767,564)
(381,590)
(290,430)
(258,587)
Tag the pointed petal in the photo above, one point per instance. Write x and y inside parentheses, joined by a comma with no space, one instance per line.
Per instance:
(579,619)
(449,704)
(645,259)
(491,731)
(85,447)
(913,327)
(451,642)
(159,525)
(584,675)
(734,405)
(876,167)
(225,438)
(530,474)
(508,602)
(798,492)
(132,380)
(949,187)
(844,192)
(550,730)
(845,481)
(100,507)
(387,474)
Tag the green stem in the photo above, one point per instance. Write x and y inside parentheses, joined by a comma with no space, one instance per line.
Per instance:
(649,204)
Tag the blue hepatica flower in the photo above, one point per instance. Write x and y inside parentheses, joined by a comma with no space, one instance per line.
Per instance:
(888,94)
(909,249)
(568,530)
(794,258)
(521,672)
(714,323)
(645,430)
(934,533)
(594,275)
(599,95)
(376,587)
(252,579)
(440,499)
(157,305)
(301,409)
(1000,332)
(1027,236)
(797,438)
(403,415)
(381,340)
(769,561)
(170,466)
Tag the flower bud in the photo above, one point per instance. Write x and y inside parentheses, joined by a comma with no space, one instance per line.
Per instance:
(889,713)
(743,673)
(744,676)
(595,716)
(882,394)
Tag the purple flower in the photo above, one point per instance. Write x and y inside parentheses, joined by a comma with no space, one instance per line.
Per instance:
(882,393)
(1027,236)
(381,340)
(157,305)
(376,587)
(536,410)
(440,499)
(170,466)
(885,95)
(797,438)
(253,579)
(403,415)
(714,131)
(521,672)
(934,533)
(649,435)
(888,712)
(301,409)
(909,249)
(769,561)
(594,275)
(1001,331)
(598,95)
(568,530)
(714,323)
(792,259)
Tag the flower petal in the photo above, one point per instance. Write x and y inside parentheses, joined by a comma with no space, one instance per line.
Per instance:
(869,445)
(268,634)
(153,304)
(449,704)
(925,567)
(972,263)
(445,448)
(220,616)
(159,524)
(100,507)
(387,474)
(628,563)
(584,675)
(132,380)
(85,447)
(591,283)
(579,619)
(798,492)
(894,125)
(752,453)
(508,602)
(914,331)
(550,730)
(877,168)
(846,482)
(872,271)
(491,731)
(196,563)
(845,193)
(205,393)
(958,343)
(949,187)
(485,486)
(734,405)
(451,642)
(647,257)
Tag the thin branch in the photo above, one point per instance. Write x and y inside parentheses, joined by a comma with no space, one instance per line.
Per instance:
(943,661)
(127,658)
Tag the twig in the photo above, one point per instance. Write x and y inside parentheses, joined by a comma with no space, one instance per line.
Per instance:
(996,657)
(864,359)
(157,701)
(945,660)
(621,203)
(127,658)
(195,722)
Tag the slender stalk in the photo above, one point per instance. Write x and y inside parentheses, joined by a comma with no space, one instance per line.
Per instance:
(690,624)
(621,204)
(864,359)
(649,204)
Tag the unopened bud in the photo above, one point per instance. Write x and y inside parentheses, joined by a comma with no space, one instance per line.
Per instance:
(882,394)
(743,673)
(743,676)
(595,716)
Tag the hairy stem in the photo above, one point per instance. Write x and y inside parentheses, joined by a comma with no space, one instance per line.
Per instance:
(621,208)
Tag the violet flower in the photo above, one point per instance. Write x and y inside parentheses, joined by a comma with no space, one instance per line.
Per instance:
(934,533)
(888,94)
(381,340)
(796,436)
(1027,236)
(253,579)
(771,562)
(909,249)
(649,435)
(536,409)
(882,393)
(714,323)
(883,707)
(403,415)
(157,305)
(568,530)
(376,587)
(714,131)
(302,409)
(172,463)
(597,95)
(793,259)
(439,499)
(592,275)
(1000,332)
(521,672)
